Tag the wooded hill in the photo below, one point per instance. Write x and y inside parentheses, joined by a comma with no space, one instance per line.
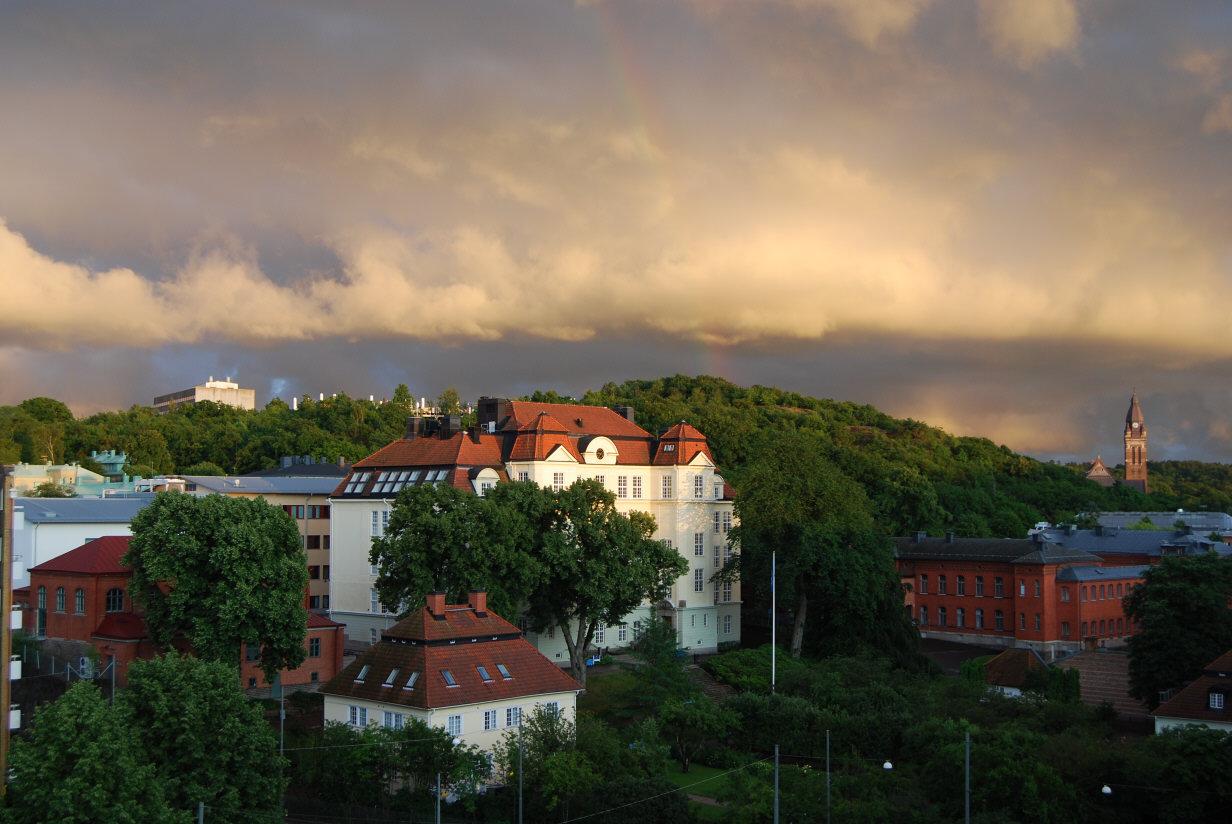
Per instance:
(917,476)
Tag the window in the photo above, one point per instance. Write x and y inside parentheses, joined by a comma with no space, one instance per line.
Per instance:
(449,679)
(558,481)
(1103,626)
(979,619)
(941,585)
(252,652)
(941,616)
(716,557)
(484,488)
(1120,626)
(1065,629)
(1215,700)
(1037,622)
(998,587)
(637,486)
(513,716)
(716,593)
(960,617)
(453,725)
(601,480)
(483,673)
(314,647)
(363,673)
(1037,589)
(1065,595)
(314,573)
(600,633)
(313,677)
(1022,620)
(1120,590)
(667,486)
(552,707)
(358,716)
(252,682)
(394,720)
(489,719)
(727,625)
(523,476)
(375,523)
(727,522)
(716,523)
(79,601)
(923,616)
(699,582)
(699,544)
(61,600)
(699,486)
(999,621)
(979,586)
(374,601)
(504,672)
(1022,589)
(622,634)
(718,492)
(325,569)
(1082,593)
(727,591)
(923,584)
(622,486)
(115,599)
(357,483)
(1102,596)
(960,585)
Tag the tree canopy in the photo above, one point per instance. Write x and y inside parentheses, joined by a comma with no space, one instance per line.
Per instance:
(219,572)
(1184,623)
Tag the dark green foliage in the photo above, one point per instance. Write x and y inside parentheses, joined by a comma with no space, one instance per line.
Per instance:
(204,468)
(239,575)
(749,669)
(51,489)
(80,763)
(693,724)
(206,740)
(1183,622)
(1055,684)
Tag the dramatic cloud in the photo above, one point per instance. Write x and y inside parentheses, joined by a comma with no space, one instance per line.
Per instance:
(724,183)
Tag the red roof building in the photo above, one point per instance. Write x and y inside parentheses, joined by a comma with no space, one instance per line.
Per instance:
(457,666)
(84,596)
(1206,701)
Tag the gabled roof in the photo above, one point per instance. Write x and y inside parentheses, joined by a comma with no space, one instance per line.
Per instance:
(459,621)
(318,621)
(1098,469)
(680,444)
(1010,668)
(100,556)
(1193,701)
(1003,550)
(110,510)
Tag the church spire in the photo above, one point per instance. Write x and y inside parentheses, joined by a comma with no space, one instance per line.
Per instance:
(1134,415)
(1135,445)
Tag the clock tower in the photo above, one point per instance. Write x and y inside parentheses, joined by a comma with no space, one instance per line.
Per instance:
(1135,446)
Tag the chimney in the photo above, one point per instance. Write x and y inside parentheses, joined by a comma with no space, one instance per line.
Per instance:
(1038,538)
(626,412)
(412,428)
(436,605)
(920,536)
(478,601)
(450,424)
(492,411)
(949,536)
(474,433)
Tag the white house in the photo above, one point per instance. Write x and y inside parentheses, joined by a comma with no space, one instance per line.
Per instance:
(672,476)
(46,528)
(455,666)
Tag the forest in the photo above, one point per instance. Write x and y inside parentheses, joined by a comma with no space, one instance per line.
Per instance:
(916,476)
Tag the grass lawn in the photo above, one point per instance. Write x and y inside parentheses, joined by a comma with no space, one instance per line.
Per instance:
(697,772)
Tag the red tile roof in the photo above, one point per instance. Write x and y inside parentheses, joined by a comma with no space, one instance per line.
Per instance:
(680,445)
(318,621)
(100,556)
(427,450)
(122,626)
(578,418)
(460,643)
(1193,702)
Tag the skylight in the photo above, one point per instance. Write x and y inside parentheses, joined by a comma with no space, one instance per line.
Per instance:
(449,679)
(363,673)
(389,679)
(410,682)
(504,671)
(483,672)
(357,483)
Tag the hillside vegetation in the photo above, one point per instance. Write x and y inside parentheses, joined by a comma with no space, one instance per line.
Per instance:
(916,476)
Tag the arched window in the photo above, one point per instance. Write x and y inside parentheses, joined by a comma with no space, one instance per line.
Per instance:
(79,601)
(60,602)
(115,600)
(42,597)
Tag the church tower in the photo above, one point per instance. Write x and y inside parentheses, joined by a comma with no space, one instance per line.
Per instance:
(1135,446)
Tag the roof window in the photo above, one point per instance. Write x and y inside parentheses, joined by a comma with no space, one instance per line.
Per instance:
(483,673)
(449,679)
(363,673)
(389,679)
(504,671)
(410,682)
(357,483)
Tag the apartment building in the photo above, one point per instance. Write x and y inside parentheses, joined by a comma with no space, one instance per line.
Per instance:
(672,476)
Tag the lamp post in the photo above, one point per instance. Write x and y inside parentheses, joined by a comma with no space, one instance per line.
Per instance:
(967,778)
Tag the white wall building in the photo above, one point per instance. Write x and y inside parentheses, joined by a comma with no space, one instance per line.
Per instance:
(673,477)
(46,528)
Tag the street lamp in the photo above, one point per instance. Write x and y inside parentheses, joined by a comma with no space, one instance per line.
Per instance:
(1106,790)
(887,766)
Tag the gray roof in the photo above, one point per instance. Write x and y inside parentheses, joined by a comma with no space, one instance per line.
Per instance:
(109,510)
(1003,550)
(1198,521)
(1113,541)
(1114,573)
(275,485)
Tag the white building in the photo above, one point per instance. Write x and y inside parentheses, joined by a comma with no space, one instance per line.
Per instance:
(46,528)
(1204,702)
(226,392)
(455,666)
(672,477)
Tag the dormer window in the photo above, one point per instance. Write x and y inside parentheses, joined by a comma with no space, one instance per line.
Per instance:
(669,447)
(1215,700)
(363,673)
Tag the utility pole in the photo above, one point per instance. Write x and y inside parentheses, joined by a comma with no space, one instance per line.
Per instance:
(967,778)
(776,784)
(200,812)
(6,620)
(438,797)
(519,765)
(827,777)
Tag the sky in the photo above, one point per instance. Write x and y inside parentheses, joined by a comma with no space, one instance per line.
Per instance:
(996,216)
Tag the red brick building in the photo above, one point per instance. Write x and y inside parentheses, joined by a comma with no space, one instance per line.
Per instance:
(1014,592)
(84,596)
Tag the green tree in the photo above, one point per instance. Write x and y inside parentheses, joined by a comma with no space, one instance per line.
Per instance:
(450,402)
(662,675)
(51,489)
(237,573)
(1181,611)
(207,741)
(692,724)
(203,468)
(80,762)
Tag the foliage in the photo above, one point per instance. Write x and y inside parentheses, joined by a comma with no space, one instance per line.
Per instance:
(80,762)
(662,675)
(207,741)
(1183,619)
(1055,683)
(692,724)
(204,468)
(238,571)
(749,669)
(450,402)
(51,489)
